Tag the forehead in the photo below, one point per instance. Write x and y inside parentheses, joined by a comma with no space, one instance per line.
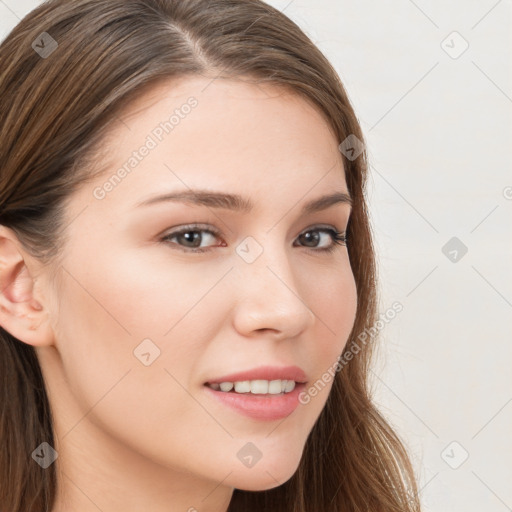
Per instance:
(222,134)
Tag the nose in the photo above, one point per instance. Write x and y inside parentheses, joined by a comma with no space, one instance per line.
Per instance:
(270,298)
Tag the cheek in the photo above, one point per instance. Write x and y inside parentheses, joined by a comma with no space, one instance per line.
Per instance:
(334,302)
(330,292)
(128,297)
(104,315)
(121,308)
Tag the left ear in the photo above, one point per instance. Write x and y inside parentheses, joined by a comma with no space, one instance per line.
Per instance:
(22,313)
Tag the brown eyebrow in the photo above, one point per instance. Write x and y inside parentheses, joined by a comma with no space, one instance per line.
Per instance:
(238,203)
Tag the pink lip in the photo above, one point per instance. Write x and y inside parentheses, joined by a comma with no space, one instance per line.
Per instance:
(260,407)
(264,373)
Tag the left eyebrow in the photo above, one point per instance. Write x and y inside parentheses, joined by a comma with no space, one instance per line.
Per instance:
(238,203)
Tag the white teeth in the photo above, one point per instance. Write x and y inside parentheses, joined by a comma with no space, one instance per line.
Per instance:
(243,386)
(226,386)
(275,387)
(256,387)
(290,386)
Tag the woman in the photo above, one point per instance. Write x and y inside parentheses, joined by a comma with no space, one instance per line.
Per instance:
(186,268)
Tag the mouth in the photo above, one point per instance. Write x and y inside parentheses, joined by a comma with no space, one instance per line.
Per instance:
(264,380)
(268,401)
(276,387)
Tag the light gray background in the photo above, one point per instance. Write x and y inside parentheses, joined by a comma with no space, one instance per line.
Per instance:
(438,126)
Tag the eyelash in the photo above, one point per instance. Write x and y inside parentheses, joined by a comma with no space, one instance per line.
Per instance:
(339,238)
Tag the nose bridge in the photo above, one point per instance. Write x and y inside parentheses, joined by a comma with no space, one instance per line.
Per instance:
(269,295)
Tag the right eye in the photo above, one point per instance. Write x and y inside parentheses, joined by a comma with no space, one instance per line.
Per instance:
(190,235)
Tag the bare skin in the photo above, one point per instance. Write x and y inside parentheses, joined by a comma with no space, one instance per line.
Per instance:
(132,437)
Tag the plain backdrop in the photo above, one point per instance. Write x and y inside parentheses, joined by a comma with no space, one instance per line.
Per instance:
(431,84)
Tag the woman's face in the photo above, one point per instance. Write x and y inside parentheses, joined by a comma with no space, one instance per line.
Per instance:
(142,322)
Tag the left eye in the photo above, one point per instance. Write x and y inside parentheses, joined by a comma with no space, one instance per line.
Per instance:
(192,235)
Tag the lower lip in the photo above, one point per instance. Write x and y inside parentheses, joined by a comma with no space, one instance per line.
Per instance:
(261,407)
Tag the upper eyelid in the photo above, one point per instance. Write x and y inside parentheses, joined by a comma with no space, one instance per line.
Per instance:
(218,232)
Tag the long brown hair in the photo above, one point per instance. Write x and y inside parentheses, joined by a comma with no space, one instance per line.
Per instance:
(66,70)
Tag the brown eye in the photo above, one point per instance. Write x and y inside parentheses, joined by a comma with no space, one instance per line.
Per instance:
(312,238)
(189,238)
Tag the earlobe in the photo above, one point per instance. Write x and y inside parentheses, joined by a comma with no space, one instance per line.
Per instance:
(21,313)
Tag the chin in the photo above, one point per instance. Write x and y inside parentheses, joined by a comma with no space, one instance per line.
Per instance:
(265,476)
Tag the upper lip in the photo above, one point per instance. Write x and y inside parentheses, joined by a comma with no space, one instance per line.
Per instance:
(264,373)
